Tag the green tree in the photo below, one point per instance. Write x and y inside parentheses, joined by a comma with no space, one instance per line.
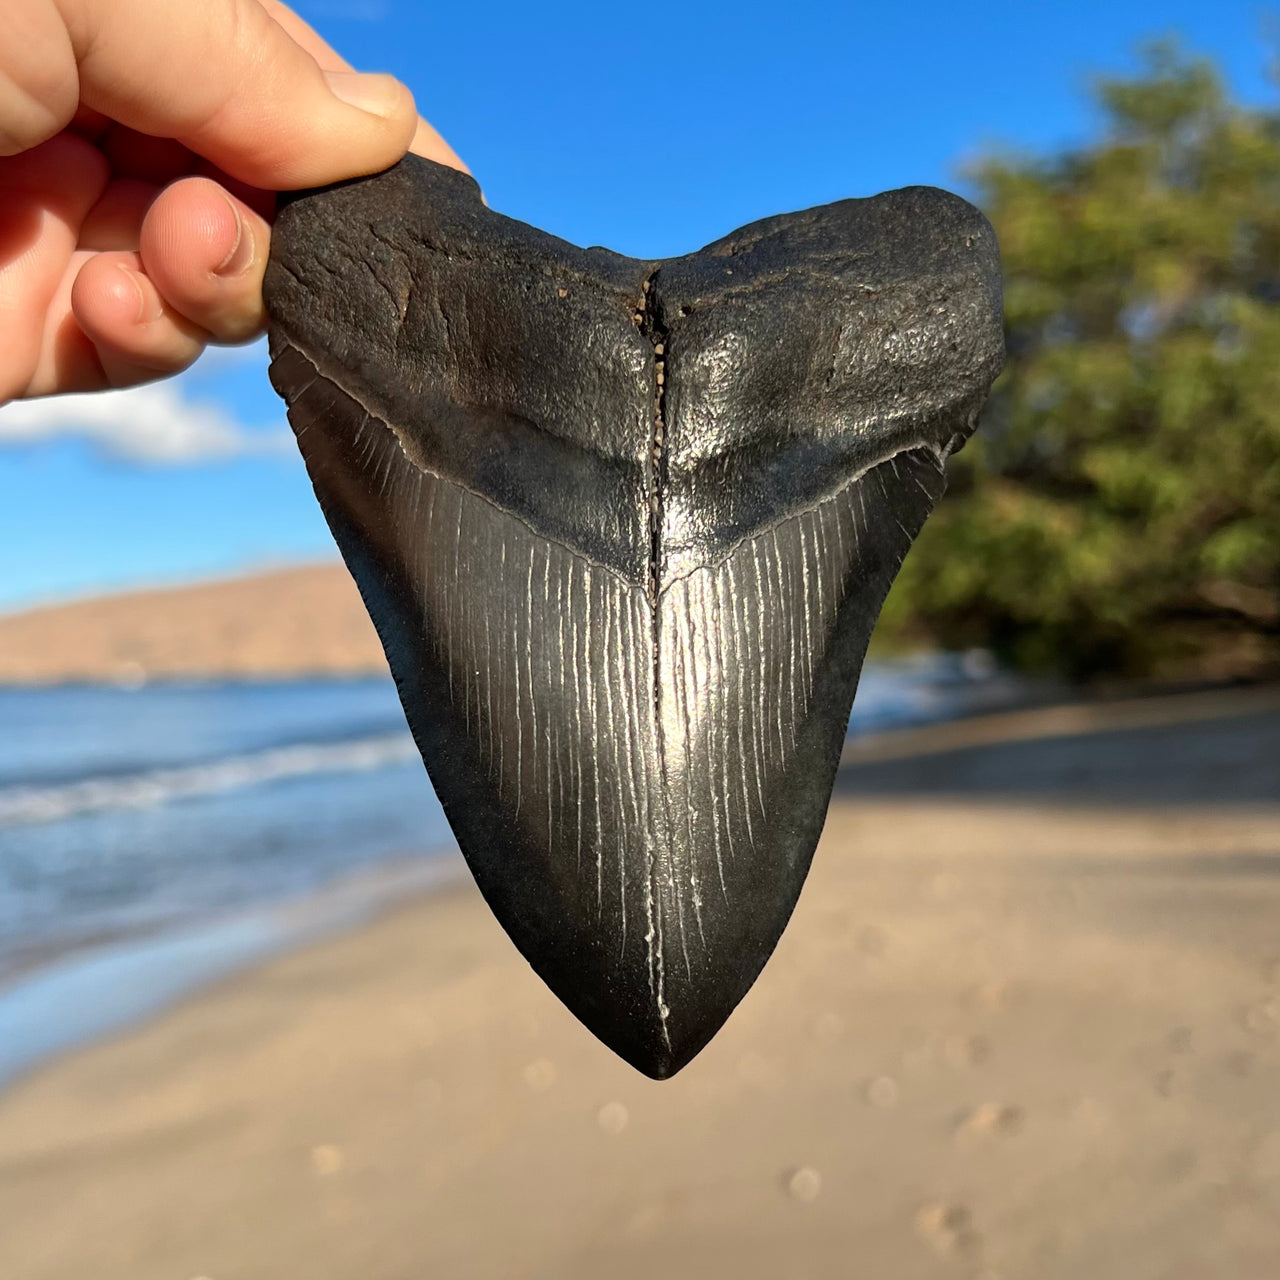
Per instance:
(1119,511)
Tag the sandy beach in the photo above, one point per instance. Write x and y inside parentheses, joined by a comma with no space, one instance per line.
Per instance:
(1025,1024)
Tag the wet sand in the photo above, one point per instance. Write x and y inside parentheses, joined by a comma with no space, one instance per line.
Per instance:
(1025,1023)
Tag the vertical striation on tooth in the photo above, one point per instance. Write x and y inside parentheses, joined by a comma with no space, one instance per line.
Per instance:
(624,529)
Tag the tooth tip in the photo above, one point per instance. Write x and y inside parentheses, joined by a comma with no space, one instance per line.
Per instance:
(659,1060)
(657,1048)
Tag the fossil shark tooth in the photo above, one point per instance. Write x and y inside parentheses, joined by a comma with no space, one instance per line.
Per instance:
(624,528)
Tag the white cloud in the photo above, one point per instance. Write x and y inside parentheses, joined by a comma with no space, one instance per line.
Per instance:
(154,424)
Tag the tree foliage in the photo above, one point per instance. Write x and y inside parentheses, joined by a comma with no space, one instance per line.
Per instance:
(1119,510)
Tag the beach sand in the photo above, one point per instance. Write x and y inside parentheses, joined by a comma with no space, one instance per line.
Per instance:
(1024,1023)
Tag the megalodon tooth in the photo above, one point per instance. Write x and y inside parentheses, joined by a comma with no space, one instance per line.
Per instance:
(624,528)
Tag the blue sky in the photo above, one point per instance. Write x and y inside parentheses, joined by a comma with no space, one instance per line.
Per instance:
(650,130)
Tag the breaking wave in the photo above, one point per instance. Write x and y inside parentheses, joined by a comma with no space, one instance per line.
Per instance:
(153,788)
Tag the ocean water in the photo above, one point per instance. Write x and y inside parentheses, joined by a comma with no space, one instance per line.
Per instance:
(152,838)
(131,811)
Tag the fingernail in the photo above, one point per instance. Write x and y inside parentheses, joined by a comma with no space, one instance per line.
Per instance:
(377,94)
(240,255)
(149,307)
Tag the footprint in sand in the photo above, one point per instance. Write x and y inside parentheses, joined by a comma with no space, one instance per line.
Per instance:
(947,1228)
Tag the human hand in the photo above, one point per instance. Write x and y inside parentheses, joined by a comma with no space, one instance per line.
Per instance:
(141,143)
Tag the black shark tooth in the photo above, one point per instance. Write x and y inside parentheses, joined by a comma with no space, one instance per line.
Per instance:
(624,528)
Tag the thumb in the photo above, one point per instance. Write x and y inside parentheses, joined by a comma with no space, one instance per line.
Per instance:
(226,80)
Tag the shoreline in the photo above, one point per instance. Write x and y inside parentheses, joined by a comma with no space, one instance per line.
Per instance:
(104,988)
(124,981)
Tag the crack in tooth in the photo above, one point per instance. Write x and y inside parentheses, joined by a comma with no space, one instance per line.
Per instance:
(648,321)
(651,328)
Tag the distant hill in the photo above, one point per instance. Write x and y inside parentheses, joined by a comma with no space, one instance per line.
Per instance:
(288,622)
